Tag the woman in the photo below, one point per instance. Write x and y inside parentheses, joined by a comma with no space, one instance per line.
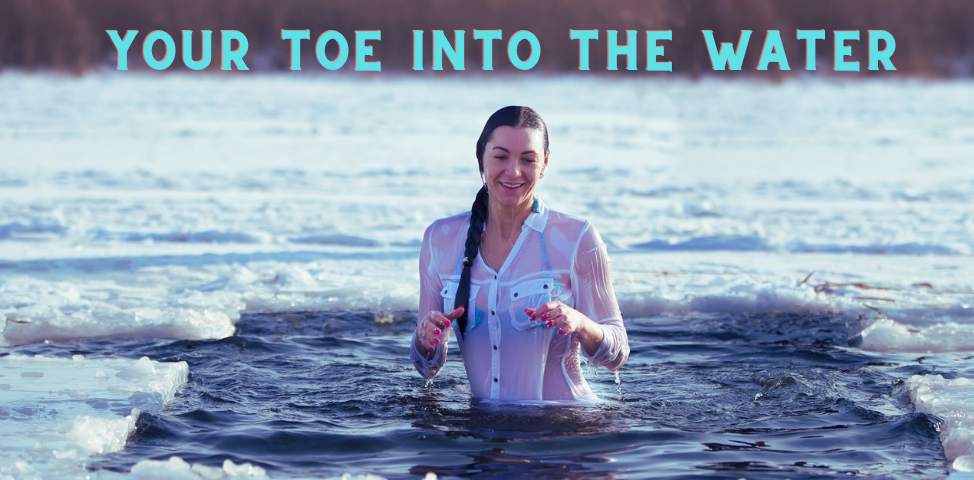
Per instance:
(526,288)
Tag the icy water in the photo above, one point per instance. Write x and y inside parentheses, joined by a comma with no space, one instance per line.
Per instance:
(726,396)
(794,261)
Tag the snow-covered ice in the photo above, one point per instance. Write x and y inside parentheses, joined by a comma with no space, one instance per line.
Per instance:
(56,412)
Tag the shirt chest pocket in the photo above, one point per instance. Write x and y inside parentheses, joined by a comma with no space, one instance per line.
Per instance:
(532,294)
(449,294)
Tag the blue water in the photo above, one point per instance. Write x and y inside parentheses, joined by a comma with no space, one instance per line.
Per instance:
(724,396)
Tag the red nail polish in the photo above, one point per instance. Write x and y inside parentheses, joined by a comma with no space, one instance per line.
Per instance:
(436,341)
(533,317)
(526,310)
(544,317)
(550,324)
(560,332)
(437,331)
(447,323)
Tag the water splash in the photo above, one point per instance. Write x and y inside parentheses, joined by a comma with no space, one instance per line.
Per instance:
(618,382)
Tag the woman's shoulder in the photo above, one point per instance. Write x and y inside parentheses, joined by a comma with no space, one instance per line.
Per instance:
(570,225)
(449,227)
(580,231)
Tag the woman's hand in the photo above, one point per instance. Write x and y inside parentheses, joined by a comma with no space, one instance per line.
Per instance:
(432,328)
(568,320)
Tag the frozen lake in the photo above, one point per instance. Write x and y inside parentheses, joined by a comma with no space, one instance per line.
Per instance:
(166,206)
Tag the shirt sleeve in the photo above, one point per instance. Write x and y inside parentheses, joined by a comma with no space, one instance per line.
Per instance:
(429,300)
(597,300)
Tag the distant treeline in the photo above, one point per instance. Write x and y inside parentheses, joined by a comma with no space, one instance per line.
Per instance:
(933,37)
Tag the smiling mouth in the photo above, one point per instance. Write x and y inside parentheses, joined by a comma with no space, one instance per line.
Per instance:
(512,186)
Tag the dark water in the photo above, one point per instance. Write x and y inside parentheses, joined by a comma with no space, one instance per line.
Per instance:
(321,394)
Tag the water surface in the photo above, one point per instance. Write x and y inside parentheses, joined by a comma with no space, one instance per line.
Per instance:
(728,396)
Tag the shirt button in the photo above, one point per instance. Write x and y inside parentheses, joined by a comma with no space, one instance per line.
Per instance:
(495,347)
(492,312)
(495,277)
(495,380)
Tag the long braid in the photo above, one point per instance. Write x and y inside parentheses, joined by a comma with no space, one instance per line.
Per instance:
(478,216)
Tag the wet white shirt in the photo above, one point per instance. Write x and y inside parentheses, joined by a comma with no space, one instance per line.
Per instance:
(507,356)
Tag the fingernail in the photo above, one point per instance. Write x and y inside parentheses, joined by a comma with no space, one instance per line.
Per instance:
(436,341)
(544,317)
(560,332)
(437,331)
(533,317)
(527,310)
(447,323)
(550,324)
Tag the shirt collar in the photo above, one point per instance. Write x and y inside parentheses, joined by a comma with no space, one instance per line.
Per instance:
(538,217)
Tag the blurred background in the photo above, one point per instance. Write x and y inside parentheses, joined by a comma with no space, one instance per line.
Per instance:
(933,37)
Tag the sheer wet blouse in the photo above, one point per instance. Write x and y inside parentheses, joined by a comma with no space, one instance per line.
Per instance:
(507,356)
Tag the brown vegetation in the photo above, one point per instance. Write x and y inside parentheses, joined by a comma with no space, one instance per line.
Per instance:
(933,37)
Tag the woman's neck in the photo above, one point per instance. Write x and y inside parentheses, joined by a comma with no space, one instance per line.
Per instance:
(507,221)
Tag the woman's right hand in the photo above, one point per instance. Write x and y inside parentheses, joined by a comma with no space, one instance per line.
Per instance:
(432,328)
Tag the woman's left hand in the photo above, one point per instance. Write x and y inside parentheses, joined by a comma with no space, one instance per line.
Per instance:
(557,314)
(568,320)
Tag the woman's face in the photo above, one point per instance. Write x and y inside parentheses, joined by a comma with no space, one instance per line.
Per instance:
(513,162)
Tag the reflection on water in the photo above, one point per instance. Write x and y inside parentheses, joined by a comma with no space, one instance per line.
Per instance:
(506,423)
(321,394)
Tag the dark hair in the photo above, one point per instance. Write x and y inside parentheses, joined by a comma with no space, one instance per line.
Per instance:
(515,117)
